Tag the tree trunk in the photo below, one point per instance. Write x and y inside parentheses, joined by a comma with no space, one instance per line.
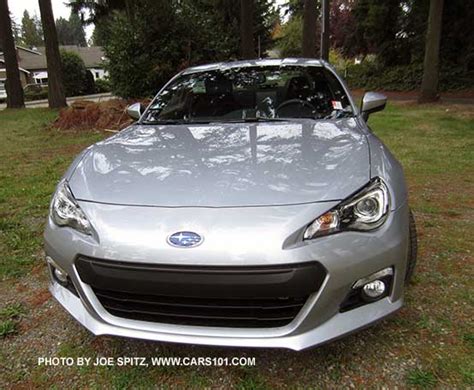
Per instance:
(429,84)
(247,49)
(309,28)
(56,97)
(13,86)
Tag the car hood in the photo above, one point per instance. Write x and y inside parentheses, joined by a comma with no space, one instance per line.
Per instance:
(225,165)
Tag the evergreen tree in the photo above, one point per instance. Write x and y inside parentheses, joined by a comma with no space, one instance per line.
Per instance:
(147,41)
(16,31)
(31,32)
(71,32)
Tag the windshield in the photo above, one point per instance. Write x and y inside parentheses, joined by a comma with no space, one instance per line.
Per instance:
(251,93)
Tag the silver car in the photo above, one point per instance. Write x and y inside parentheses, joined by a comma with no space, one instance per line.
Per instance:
(249,205)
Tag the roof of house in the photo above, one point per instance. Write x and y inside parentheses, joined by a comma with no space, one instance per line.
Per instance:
(2,61)
(91,55)
(36,59)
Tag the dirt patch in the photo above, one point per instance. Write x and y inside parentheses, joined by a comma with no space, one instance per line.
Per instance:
(39,298)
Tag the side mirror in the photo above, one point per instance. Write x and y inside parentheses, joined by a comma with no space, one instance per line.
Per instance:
(135,111)
(372,102)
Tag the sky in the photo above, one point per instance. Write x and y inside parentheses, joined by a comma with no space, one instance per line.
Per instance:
(59,10)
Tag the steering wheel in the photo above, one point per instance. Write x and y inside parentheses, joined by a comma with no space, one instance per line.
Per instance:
(293,102)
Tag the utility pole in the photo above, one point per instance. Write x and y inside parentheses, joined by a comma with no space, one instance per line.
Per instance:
(325,30)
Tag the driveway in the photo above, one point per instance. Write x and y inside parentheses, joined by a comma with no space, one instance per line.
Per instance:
(98,97)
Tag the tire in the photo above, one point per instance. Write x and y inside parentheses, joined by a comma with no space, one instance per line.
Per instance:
(412,249)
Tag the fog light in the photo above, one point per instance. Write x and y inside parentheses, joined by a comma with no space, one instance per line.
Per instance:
(61,276)
(369,289)
(374,289)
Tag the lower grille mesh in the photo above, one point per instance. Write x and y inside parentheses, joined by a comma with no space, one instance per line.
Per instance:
(254,313)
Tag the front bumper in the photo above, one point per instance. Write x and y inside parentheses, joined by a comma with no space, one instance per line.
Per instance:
(346,257)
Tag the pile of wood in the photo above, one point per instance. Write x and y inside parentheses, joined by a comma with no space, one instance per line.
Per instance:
(88,115)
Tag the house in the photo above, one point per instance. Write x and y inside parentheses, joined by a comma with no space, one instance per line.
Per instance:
(24,74)
(33,67)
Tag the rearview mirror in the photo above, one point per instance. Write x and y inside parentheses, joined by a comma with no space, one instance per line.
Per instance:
(372,102)
(135,111)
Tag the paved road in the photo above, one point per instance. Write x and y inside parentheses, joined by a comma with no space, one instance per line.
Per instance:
(99,97)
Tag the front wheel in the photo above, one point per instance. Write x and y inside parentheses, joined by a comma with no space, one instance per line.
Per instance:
(412,249)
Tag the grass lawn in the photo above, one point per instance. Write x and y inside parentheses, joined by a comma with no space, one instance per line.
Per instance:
(430,342)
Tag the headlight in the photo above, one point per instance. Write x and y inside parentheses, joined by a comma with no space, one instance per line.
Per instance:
(366,210)
(66,212)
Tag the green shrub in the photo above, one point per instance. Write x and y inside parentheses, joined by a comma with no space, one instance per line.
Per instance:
(139,64)
(372,76)
(289,41)
(154,39)
(75,74)
(89,83)
(35,92)
(102,85)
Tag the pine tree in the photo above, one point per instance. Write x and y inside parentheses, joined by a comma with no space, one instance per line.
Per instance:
(31,34)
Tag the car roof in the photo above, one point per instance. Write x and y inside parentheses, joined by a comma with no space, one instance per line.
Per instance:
(256,62)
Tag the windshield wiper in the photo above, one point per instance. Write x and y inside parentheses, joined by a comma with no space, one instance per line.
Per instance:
(250,119)
(208,121)
(174,122)
(162,122)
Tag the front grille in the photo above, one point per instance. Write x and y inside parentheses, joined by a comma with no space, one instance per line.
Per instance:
(243,297)
(246,313)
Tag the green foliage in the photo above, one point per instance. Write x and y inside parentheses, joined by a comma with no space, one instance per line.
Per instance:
(102,85)
(31,32)
(376,28)
(9,317)
(395,31)
(26,188)
(89,84)
(7,327)
(370,75)
(290,41)
(141,57)
(71,32)
(149,41)
(36,93)
(74,74)
(420,378)
(12,311)
(16,31)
